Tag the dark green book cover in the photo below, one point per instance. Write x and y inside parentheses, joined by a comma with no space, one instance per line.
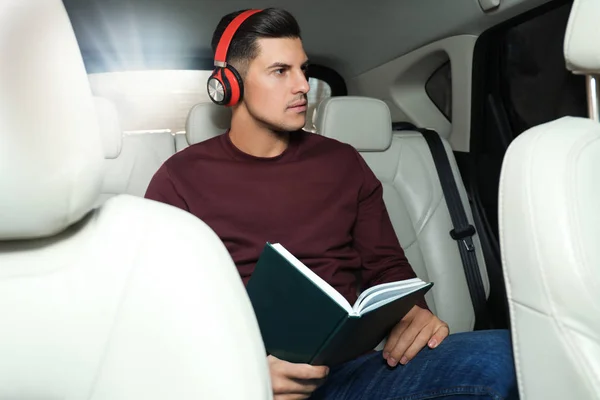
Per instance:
(300,322)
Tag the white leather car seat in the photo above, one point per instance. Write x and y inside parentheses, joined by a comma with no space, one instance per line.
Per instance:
(95,303)
(133,159)
(112,144)
(141,154)
(549,230)
(110,127)
(180,142)
(413,197)
(205,121)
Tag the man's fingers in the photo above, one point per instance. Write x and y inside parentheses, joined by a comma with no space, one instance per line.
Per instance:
(297,371)
(406,339)
(439,335)
(309,386)
(296,386)
(393,337)
(399,330)
(416,346)
(291,396)
(306,372)
(295,381)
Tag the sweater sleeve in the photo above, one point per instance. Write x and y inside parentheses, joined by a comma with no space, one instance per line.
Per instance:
(383,258)
(162,188)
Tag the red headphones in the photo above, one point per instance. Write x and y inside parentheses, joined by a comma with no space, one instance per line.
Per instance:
(225,85)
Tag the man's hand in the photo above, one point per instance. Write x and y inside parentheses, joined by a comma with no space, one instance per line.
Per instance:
(295,381)
(419,328)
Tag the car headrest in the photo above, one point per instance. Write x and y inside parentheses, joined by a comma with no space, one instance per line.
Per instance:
(583,34)
(205,121)
(50,148)
(362,122)
(110,127)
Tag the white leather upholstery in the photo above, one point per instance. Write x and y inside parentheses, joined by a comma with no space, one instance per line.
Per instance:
(110,127)
(141,156)
(206,120)
(338,117)
(582,38)
(130,159)
(549,226)
(181,142)
(59,180)
(415,203)
(96,303)
(108,310)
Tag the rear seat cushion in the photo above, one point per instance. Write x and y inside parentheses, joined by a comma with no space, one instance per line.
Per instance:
(205,121)
(110,127)
(413,197)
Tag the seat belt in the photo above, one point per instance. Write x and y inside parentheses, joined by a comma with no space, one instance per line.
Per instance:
(462,231)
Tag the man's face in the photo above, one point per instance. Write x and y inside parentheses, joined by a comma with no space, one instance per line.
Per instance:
(275,84)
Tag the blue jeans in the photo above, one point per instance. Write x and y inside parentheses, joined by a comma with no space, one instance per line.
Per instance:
(473,365)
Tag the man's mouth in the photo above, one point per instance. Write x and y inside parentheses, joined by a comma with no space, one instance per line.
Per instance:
(299,106)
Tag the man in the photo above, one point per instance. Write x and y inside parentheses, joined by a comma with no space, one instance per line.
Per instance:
(267,180)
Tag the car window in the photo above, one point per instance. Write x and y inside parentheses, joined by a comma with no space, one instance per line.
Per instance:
(319,90)
(538,86)
(439,89)
(152,100)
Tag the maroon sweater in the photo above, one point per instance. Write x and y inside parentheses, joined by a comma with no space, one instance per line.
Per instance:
(318,199)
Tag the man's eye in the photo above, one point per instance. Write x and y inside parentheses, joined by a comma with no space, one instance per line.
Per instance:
(279,71)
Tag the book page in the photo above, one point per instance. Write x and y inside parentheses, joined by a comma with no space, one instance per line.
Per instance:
(320,282)
(384,286)
(378,298)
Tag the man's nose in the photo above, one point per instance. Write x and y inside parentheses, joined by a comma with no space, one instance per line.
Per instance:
(301,83)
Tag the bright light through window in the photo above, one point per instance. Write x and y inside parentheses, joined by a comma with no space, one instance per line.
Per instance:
(152,100)
(161,100)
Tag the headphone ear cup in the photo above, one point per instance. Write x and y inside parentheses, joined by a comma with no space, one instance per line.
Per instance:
(218,87)
(235,85)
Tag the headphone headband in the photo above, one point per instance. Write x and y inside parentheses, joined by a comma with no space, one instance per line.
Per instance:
(225,86)
(225,41)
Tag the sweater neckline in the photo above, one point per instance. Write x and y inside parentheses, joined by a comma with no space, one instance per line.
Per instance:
(238,154)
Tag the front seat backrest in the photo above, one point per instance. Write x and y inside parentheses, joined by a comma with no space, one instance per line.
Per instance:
(94,302)
(413,197)
(549,230)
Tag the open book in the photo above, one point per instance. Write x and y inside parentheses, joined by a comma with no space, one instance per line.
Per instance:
(304,319)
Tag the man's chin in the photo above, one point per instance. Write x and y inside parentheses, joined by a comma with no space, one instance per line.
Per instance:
(284,126)
(296,126)
(287,127)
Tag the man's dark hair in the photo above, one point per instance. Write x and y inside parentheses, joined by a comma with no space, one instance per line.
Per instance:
(269,23)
